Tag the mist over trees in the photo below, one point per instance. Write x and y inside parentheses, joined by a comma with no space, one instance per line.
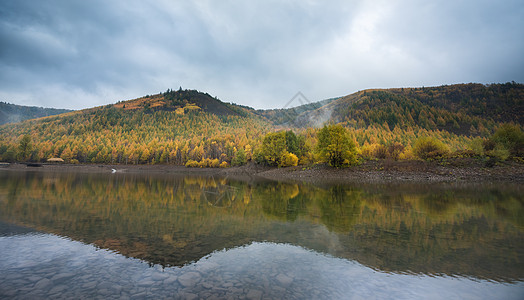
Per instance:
(12,113)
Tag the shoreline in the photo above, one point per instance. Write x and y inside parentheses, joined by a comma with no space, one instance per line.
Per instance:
(379,171)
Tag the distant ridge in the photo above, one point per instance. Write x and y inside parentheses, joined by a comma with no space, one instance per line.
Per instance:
(464,109)
(287,116)
(12,113)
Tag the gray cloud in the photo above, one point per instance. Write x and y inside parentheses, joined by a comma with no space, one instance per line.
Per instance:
(77,54)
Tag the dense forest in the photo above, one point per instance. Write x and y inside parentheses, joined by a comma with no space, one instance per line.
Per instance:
(12,113)
(187,127)
(153,129)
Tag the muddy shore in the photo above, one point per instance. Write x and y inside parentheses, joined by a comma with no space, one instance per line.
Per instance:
(381,171)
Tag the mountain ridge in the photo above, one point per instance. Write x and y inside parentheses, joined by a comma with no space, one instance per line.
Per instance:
(178,127)
(13,113)
(473,99)
(453,108)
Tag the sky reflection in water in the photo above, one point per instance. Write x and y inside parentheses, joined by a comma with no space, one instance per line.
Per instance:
(88,235)
(55,266)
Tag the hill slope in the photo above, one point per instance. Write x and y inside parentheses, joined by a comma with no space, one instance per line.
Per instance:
(186,100)
(12,113)
(463,109)
(187,126)
(172,127)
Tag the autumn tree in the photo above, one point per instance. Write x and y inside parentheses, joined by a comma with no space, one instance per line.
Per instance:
(9,155)
(282,148)
(25,147)
(429,148)
(273,147)
(67,155)
(335,146)
(511,138)
(288,160)
(240,158)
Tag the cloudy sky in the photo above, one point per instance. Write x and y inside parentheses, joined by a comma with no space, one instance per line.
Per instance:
(78,53)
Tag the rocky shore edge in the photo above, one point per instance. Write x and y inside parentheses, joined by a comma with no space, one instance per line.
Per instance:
(378,171)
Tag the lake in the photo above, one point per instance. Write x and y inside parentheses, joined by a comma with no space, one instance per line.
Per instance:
(132,236)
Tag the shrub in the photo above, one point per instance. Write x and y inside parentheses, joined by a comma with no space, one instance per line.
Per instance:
(394,150)
(205,162)
(192,164)
(429,148)
(380,152)
(477,146)
(368,151)
(306,158)
(288,160)
(407,154)
(488,145)
(224,164)
(509,137)
(215,163)
(499,153)
(463,154)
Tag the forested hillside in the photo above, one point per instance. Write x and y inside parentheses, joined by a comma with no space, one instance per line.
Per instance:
(12,113)
(455,115)
(465,109)
(172,127)
(187,127)
(183,101)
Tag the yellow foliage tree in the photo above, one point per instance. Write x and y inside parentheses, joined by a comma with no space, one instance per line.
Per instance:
(288,160)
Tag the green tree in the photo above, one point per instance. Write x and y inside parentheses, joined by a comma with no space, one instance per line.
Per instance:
(296,144)
(9,155)
(335,146)
(291,142)
(511,138)
(273,147)
(25,147)
(240,158)
(279,145)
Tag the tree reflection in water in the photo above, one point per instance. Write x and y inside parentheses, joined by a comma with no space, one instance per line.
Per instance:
(465,231)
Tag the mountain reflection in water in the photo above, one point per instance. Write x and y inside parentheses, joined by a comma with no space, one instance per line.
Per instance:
(173,221)
(69,269)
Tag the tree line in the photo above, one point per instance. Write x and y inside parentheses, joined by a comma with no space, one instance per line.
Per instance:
(166,129)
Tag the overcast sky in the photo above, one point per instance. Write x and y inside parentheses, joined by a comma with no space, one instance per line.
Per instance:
(85,53)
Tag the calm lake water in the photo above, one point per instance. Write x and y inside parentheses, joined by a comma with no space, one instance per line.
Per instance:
(130,236)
